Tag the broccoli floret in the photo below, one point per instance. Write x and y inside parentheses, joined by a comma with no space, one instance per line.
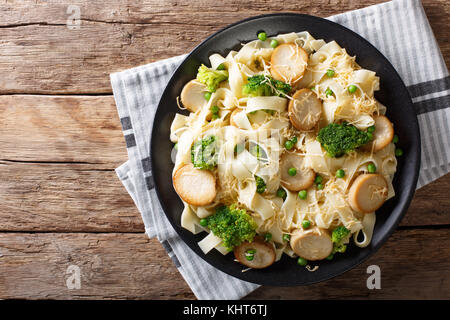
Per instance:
(211,78)
(260,184)
(339,248)
(204,153)
(281,87)
(337,236)
(260,85)
(339,139)
(233,225)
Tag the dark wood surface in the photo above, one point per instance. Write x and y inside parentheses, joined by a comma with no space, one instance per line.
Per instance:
(60,141)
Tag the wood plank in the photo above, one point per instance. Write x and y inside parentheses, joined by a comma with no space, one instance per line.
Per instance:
(430,205)
(82,198)
(55,59)
(113,266)
(414,264)
(61,129)
(64,198)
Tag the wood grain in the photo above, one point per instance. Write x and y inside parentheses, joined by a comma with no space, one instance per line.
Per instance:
(430,205)
(113,266)
(413,263)
(119,266)
(55,59)
(61,203)
(68,197)
(64,198)
(61,129)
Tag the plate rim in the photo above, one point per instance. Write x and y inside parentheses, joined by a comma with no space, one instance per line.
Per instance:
(417,147)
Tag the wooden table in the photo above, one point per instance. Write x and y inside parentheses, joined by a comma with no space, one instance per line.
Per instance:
(60,140)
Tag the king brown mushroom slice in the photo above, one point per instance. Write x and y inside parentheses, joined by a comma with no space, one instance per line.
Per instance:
(303,179)
(193,95)
(312,244)
(383,134)
(368,192)
(196,187)
(288,63)
(305,109)
(264,253)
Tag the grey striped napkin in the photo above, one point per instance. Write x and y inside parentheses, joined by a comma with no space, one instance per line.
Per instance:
(396,28)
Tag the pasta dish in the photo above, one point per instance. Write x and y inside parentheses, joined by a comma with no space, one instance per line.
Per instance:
(284,150)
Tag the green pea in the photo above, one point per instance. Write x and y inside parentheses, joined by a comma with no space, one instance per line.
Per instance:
(395,139)
(319,186)
(215,116)
(274,43)
(203,222)
(288,144)
(286,237)
(292,171)
(302,262)
(330,73)
(398,152)
(214,109)
(262,36)
(294,139)
(221,66)
(303,194)
(371,168)
(329,92)
(306,224)
(207,95)
(318,179)
(281,193)
(249,257)
(176,146)
(251,251)
(340,173)
(267,237)
(330,257)
(352,88)
(371,129)
(370,135)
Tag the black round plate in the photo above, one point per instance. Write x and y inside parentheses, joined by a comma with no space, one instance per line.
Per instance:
(392,93)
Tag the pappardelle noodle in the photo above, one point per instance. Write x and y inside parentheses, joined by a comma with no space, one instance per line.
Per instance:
(284,150)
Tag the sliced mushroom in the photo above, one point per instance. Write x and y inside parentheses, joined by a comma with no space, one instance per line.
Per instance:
(196,187)
(312,244)
(368,193)
(193,95)
(305,109)
(288,63)
(383,134)
(257,254)
(303,179)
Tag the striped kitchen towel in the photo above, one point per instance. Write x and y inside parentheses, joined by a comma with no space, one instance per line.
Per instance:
(399,29)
